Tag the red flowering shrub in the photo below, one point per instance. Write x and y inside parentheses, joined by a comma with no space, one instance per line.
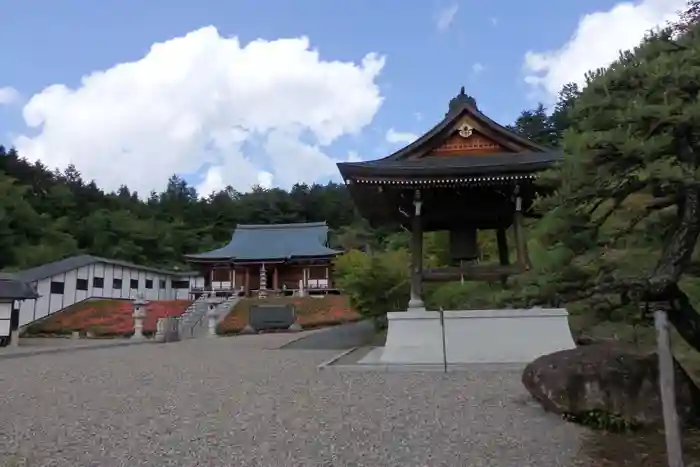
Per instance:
(311,312)
(106,317)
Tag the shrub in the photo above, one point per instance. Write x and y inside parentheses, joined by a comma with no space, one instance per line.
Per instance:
(375,283)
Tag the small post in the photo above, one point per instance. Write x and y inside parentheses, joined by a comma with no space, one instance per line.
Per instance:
(139,315)
(14,338)
(444,343)
(212,315)
(674,450)
(160,331)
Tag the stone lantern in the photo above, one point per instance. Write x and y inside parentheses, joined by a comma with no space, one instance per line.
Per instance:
(139,315)
(212,314)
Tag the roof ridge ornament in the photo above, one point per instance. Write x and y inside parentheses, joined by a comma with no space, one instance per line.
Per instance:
(460,100)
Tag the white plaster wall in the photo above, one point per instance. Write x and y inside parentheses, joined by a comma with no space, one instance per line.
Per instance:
(26,310)
(5,316)
(48,303)
(82,273)
(98,270)
(42,303)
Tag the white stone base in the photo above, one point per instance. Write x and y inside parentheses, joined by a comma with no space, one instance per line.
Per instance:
(478,336)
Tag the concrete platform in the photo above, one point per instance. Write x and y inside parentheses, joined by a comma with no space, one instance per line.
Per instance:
(474,336)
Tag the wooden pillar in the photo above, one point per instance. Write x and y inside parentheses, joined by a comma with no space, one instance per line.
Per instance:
(275,279)
(502,241)
(520,241)
(246,284)
(503,253)
(674,451)
(416,301)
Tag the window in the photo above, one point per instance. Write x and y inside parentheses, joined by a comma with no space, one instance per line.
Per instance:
(161,284)
(81,284)
(98,282)
(134,284)
(149,283)
(57,287)
(180,284)
(117,284)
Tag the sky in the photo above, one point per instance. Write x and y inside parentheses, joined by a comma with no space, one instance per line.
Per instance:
(276,92)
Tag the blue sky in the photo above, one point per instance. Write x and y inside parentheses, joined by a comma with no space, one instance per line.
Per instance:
(482,47)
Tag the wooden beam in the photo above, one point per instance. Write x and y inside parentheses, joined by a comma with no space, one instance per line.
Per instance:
(474,273)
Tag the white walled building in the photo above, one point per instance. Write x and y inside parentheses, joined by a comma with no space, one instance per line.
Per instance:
(63,283)
(12,292)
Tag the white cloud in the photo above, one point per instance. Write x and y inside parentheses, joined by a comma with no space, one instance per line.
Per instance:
(477,68)
(395,137)
(596,43)
(8,95)
(446,16)
(265,179)
(257,113)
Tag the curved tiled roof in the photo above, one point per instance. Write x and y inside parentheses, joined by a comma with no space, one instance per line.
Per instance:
(275,241)
(408,161)
(74,262)
(13,289)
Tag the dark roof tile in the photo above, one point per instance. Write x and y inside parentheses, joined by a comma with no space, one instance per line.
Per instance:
(75,262)
(13,289)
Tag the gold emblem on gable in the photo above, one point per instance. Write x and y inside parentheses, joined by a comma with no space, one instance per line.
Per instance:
(465,130)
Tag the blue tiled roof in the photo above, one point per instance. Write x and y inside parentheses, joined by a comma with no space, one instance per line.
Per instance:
(274,241)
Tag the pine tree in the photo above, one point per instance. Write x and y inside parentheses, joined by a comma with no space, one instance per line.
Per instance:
(624,220)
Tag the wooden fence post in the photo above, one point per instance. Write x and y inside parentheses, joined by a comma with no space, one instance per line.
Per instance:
(674,450)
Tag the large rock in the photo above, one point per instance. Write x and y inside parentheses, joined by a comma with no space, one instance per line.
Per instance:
(609,378)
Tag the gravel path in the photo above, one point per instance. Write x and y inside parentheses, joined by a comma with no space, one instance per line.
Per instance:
(344,336)
(234,402)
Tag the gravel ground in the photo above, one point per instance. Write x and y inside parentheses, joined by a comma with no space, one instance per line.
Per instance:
(234,402)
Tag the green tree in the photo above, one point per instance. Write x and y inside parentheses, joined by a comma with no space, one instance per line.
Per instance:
(375,283)
(624,220)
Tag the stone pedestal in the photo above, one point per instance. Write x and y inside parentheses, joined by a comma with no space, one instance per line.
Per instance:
(160,330)
(478,336)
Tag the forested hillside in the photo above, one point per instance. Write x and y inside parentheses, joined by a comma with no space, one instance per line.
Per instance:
(46,215)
